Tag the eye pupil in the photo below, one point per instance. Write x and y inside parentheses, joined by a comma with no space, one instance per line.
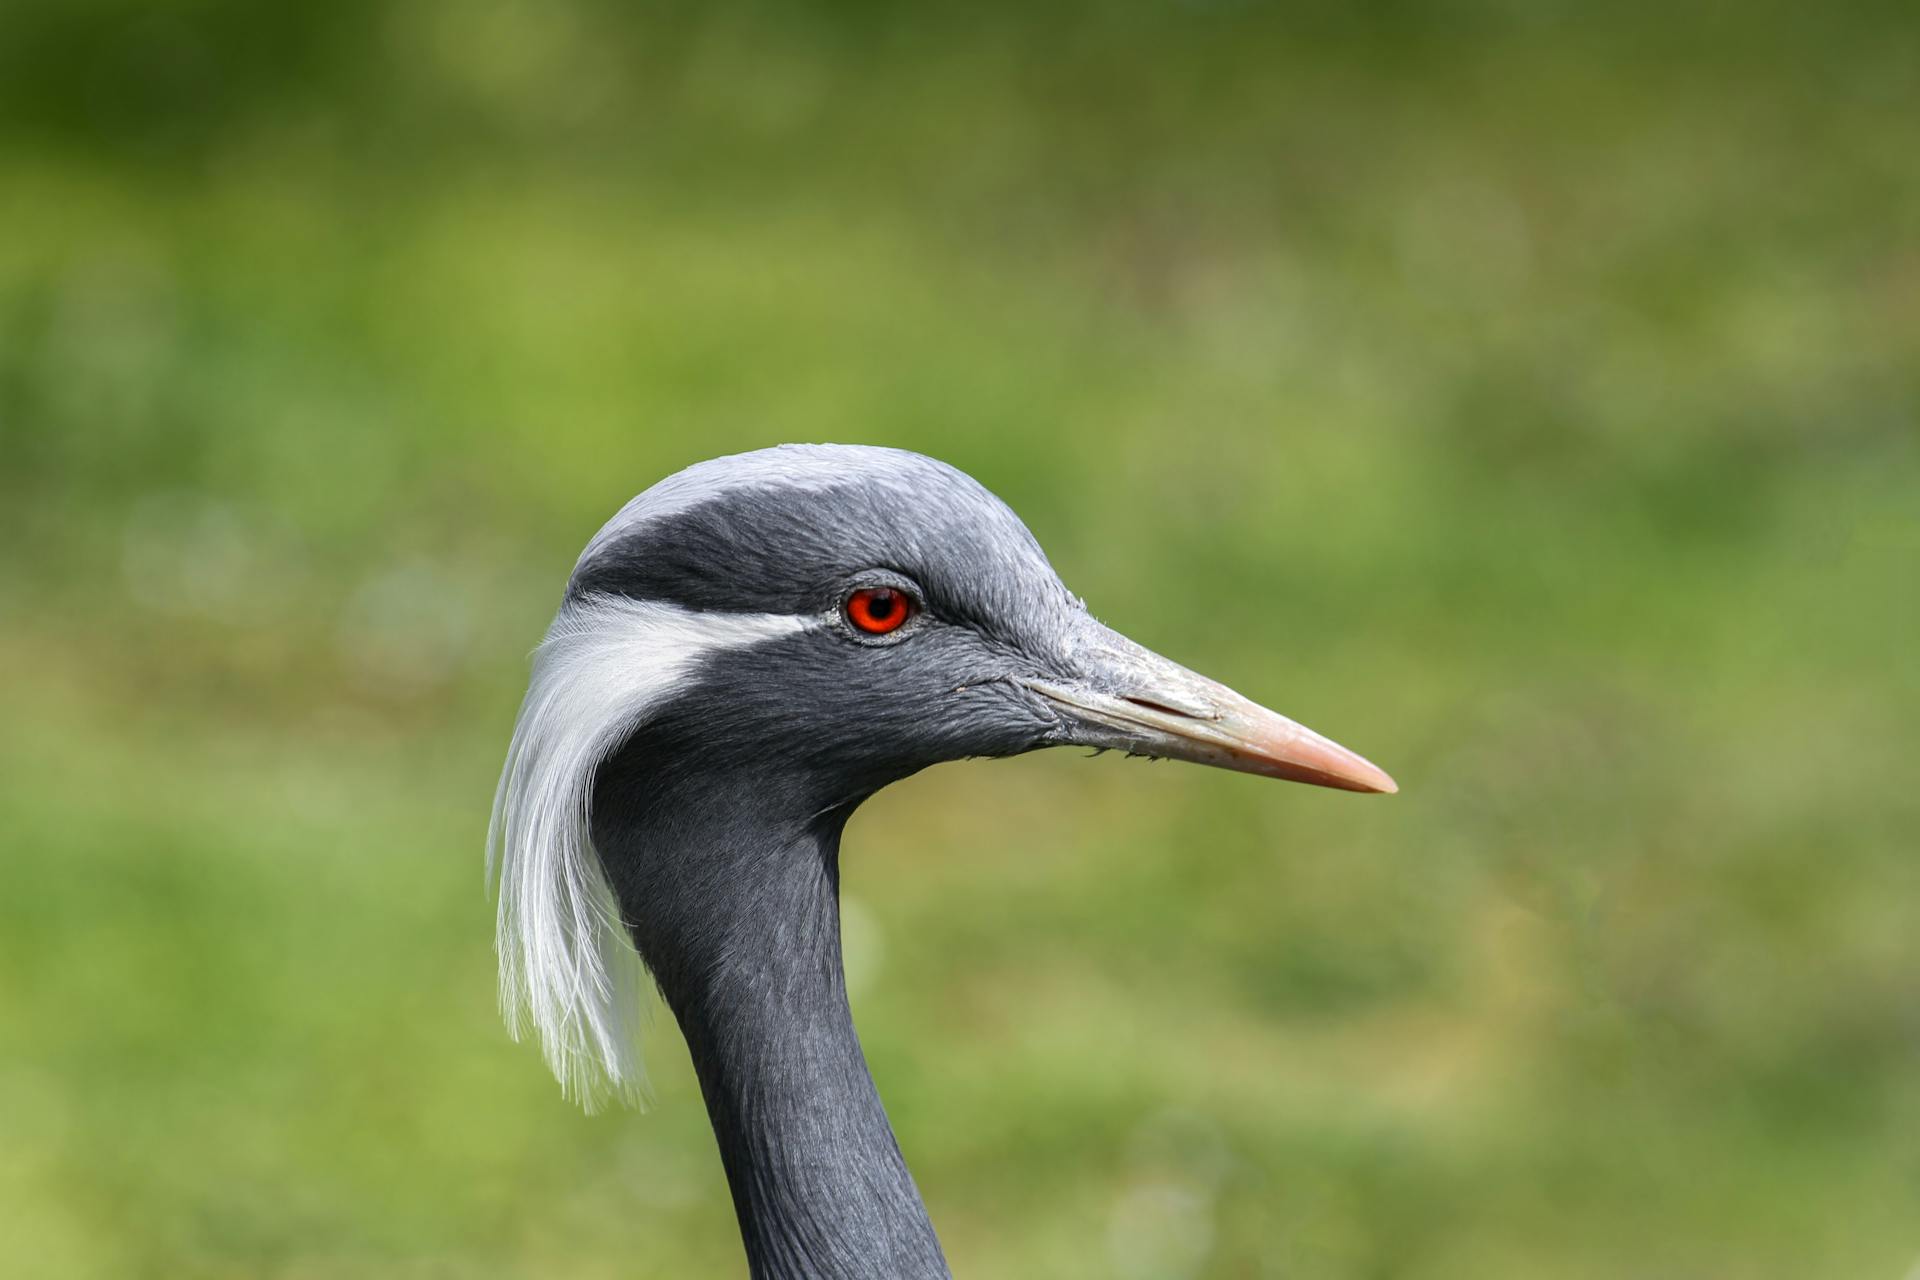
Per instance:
(878,610)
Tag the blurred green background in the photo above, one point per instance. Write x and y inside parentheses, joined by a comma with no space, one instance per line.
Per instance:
(1526,394)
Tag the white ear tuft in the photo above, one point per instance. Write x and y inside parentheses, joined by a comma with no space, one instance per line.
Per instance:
(567,965)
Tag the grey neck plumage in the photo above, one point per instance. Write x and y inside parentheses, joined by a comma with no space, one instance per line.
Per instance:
(738,917)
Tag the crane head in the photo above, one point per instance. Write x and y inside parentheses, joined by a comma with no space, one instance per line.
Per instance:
(896,614)
(795,628)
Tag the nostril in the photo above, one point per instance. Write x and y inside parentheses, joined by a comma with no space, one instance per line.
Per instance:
(1169,709)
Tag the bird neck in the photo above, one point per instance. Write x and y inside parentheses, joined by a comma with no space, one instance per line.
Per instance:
(739,919)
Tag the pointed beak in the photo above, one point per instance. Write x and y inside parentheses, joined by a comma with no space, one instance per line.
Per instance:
(1131,699)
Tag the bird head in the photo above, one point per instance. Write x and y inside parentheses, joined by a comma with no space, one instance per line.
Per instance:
(874,611)
(811,623)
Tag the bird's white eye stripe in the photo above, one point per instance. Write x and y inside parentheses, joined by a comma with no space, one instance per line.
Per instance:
(566,963)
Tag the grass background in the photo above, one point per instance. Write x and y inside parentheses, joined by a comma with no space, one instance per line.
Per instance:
(1527,395)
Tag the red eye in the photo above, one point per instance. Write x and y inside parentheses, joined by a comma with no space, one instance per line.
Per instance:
(878,610)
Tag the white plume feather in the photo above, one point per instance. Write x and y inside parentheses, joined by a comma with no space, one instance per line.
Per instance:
(567,966)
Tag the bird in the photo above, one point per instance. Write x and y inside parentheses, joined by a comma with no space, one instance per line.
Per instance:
(743,654)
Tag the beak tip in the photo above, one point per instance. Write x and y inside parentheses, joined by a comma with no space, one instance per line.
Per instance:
(1367,779)
(1372,778)
(1308,757)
